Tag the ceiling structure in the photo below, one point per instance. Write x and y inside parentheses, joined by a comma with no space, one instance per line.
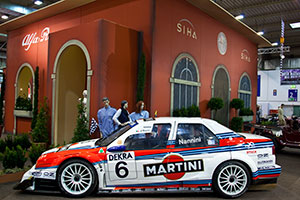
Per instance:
(13,9)
(266,15)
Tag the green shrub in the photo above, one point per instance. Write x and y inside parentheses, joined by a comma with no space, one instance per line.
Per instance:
(246,112)
(36,98)
(1,156)
(10,158)
(192,111)
(2,146)
(236,124)
(215,104)
(22,140)
(9,141)
(35,152)
(21,158)
(237,103)
(141,77)
(40,131)
(81,131)
(23,103)
(266,123)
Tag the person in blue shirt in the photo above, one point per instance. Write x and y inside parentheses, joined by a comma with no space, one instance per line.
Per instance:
(105,115)
(139,113)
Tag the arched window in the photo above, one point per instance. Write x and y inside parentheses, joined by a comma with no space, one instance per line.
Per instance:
(245,90)
(184,82)
(24,88)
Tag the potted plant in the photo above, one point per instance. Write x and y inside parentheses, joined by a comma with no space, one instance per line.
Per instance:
(192,111)
(215,104)
(246,114)
(237,104)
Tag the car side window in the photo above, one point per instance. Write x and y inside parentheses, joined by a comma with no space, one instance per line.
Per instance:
(194,135)
(156,139)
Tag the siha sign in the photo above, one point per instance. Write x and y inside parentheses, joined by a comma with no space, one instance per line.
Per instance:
(185,27)
(245,55)
(33,38)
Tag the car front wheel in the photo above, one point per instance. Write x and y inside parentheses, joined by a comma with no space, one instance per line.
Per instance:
(231,179)
(77,178)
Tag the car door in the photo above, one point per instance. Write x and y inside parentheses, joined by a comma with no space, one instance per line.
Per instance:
(195,155)
(136,167)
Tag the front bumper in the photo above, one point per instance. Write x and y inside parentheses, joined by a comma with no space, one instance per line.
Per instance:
(29,179)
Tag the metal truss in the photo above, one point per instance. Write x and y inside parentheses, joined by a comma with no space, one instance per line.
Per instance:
(273,50)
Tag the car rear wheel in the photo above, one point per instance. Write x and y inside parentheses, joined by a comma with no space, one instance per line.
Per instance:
(231,179)
(77,178)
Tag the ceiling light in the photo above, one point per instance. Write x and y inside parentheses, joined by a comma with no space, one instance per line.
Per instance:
(239,17)
(4,17)
(260,33)
(38,2)
(295,25)
(275,44)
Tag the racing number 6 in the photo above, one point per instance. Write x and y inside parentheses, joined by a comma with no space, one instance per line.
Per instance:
(122,168)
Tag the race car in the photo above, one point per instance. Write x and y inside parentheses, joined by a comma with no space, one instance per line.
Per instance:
(162,154)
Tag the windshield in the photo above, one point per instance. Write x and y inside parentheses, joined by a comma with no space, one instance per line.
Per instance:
(117,133)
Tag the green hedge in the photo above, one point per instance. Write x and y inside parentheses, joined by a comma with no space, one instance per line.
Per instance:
(14,157)
(35,152)
(246,112)
(192,111)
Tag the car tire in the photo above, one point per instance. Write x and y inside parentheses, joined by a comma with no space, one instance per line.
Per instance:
(231,179)
(77,178)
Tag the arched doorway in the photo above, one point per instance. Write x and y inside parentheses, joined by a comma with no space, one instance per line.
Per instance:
(69,80)
(221,89)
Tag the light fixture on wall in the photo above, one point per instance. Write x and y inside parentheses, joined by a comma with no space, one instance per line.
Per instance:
(4,16)
(38,2)
(239,17)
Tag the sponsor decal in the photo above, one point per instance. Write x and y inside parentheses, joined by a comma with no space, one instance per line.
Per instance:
(266,167)
(264,162)
(119,156)
(33,38)
(251,152)
(36,174)
(250,145)
(101,151)
(173,167)
(261,156)
(190,141)
(185,27)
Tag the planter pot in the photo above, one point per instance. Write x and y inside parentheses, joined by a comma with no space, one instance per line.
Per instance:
(247,118)
(11,177)
(23,113)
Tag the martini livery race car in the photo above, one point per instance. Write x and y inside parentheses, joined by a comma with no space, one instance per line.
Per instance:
(162,154)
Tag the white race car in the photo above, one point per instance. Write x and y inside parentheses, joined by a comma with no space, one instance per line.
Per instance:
(164,154)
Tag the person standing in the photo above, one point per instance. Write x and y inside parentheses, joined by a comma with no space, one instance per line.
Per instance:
(139,113)
(105,118)
(121,117)
(280,115)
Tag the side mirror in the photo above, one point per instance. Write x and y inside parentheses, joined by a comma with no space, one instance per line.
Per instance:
(117,148)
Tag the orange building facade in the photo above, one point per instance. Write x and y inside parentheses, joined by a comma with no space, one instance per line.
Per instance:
(190,57)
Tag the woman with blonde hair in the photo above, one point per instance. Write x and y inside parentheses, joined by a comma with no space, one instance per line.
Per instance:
(139,113)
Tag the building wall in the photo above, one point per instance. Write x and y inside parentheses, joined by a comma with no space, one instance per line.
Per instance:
(270,81)
(168,43)
(132,14)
